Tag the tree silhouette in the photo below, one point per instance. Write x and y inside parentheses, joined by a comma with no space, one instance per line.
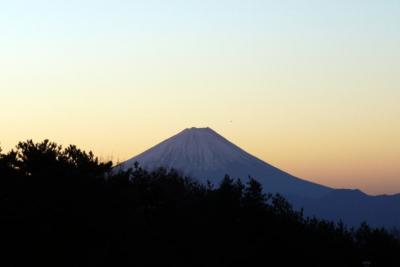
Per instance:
(63,207)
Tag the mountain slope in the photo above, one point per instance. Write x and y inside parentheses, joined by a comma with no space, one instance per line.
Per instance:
(205,155)
(353,207)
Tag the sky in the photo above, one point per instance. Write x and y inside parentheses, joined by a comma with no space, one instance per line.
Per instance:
(310,86)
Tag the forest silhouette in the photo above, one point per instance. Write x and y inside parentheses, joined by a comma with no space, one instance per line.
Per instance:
(64,207)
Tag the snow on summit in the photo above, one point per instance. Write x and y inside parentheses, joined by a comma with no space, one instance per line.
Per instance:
(205,155)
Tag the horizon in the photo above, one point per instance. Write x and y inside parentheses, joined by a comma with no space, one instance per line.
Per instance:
(309,87)
(216,132)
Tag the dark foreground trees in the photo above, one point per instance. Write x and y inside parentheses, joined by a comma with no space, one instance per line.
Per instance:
(62,207)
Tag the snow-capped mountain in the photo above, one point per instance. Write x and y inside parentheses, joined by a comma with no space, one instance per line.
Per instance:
(203,154)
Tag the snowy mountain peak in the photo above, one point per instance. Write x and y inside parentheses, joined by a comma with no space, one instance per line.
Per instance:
(205,155)
(194,131)
(199,129)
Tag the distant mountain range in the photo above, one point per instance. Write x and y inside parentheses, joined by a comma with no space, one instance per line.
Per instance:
(204,155)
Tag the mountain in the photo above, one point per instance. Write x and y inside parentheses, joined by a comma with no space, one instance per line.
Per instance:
(353,207)
(203,154)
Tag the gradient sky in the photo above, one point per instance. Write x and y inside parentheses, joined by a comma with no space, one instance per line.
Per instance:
(312,87)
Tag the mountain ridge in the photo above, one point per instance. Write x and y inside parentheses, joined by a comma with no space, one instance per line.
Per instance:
(204,154)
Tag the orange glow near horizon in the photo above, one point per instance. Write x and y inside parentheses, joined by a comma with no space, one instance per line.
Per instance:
(312,88)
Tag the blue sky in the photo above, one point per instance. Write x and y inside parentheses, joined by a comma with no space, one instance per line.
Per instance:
(312,86)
